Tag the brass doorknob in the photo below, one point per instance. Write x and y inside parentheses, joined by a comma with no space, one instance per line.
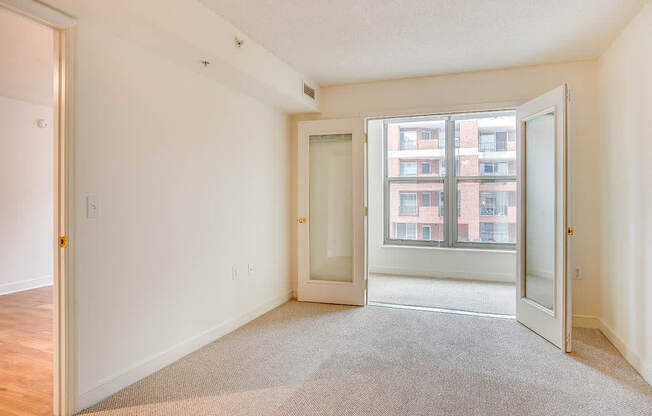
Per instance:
(301,220)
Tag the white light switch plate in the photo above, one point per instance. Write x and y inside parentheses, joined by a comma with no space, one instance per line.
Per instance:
(92,206)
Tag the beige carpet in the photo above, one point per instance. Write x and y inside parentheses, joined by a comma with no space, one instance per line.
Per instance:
(463,295)
(315,359)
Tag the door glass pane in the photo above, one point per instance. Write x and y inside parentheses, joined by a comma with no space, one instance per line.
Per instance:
(539,246)
(331,217)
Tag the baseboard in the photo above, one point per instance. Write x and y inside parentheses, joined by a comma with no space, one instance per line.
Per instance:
(489,277)
(28,284)
(644,369)
(130,375)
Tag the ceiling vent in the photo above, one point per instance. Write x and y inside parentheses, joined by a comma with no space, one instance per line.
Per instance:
(308,90)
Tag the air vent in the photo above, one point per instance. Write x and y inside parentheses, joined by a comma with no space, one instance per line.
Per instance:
(308,90)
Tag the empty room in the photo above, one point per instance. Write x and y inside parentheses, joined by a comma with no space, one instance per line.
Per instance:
(326,208)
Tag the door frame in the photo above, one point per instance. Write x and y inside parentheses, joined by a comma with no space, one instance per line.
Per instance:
(64,34)
(350,293)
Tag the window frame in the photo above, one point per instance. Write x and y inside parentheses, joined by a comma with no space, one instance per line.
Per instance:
(450,182)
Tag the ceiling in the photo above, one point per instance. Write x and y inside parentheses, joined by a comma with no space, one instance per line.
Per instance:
(345,41)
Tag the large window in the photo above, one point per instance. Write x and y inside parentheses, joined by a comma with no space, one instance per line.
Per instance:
(481,190)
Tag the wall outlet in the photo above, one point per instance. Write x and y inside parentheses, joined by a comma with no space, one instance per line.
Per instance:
(577,273)
(234,272)
(251,268)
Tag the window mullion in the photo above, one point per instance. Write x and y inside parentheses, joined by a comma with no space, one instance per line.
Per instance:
(450,218)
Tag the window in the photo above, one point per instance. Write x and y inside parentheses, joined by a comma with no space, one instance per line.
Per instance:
(481,189)
(493,203)
(408,203)
(408,168)
(491,232)
(426,199)
(426,135)
(408,140)
(406,231)
(493,141)
(494,168)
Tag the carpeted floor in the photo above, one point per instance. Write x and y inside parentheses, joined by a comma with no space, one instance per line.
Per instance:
(463,295)
(316,359)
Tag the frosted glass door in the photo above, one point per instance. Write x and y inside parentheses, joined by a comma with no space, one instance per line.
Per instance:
(331,219)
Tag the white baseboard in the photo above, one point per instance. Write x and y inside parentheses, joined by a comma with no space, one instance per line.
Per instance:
(644,369)
(489,277)
(150,365)
(27,284)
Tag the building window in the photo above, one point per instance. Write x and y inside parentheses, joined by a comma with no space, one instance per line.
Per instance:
(492,232)
(408,140)
(408,203)
(493,203)
(425,233)
(481,188)
(426,135)
(426,199)
(492,141)
(408,169)
(494,168)
(406,231)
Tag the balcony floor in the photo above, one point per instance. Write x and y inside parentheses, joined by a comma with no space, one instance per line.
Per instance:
(463,295)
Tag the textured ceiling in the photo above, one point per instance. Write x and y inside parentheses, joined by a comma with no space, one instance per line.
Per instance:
(343,41)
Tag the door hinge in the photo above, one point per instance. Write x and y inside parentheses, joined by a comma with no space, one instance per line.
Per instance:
(366,211)
(63,241)
(366,138)
(570,231)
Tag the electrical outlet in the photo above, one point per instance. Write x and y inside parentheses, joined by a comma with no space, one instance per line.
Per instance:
(577,275)
(251,268)
(234,272)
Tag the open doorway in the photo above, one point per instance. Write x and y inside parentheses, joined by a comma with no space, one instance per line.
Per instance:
(443,237)
(28,92)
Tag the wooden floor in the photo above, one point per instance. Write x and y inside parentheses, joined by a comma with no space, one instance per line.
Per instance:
(26,353)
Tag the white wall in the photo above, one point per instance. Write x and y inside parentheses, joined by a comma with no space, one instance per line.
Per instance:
(625,88)
(192,177)
(25,154)
(485,90)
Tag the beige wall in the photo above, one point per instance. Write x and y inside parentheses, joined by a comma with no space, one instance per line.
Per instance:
(491,89)
(25,154)
(625,87)
(192,177)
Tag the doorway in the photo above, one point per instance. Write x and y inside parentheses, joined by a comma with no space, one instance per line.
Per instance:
(35,112)
(438,237)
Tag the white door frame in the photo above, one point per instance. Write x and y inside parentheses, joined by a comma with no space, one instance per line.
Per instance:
(350,293)
(65,363)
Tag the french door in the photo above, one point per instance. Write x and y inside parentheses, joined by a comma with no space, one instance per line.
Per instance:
(331,212)
(542,288)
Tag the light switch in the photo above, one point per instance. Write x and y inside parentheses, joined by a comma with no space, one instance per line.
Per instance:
(92,206)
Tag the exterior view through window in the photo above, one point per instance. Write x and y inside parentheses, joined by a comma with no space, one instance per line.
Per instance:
(420,192)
